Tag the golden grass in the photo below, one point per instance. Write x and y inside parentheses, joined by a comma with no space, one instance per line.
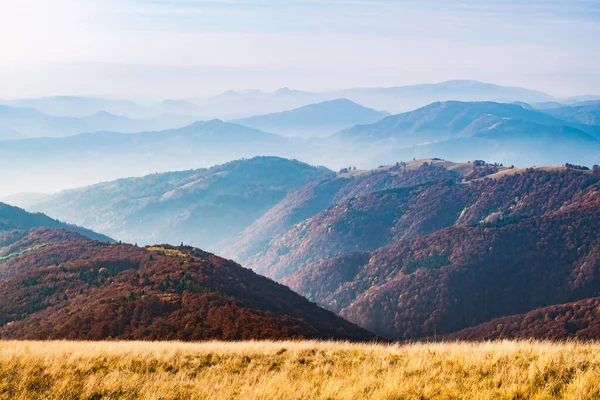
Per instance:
(298,370)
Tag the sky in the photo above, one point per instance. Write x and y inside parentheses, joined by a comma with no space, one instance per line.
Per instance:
(192,48)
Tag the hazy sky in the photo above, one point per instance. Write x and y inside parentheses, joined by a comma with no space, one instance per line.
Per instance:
(185,48)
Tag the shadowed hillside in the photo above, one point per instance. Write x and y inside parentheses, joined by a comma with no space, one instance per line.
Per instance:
(507,253)
(15,223)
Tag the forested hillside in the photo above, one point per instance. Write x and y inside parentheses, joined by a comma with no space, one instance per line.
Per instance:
(84,289)
(521,242)
(439,199)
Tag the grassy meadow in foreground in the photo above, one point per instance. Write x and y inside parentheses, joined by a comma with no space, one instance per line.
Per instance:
(297,370)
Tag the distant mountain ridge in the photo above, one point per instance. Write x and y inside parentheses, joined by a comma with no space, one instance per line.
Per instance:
(505,133)
(320,119)
(29,122)
(405,98)
(102,156)
(587,113)
(449,119)
(496,132)
(390,99)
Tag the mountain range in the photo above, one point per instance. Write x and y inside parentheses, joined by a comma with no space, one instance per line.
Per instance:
(406,98)
(247,103)
(499,132)
(493,248)
(389,240)
(496,132)
(89,158)
(426,249)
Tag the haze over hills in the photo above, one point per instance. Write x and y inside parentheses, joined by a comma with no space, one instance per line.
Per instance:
(89,158)
(77,106)
(201,207)
(390,99)
(320,119)
(406,98)
(29,122)
(9,134)
(504,133)
(587,113)
(246,103)
(449,119)
(57,284)
(81,106)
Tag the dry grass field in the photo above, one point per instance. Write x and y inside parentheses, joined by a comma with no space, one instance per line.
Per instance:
(298,370)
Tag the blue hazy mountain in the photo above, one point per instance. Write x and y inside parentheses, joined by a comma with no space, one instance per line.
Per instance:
(92,157)
(29,122)
(79,106)
(244,104)
(405,98)
(444,120)
(315,119)
(587,113)
(506,133)
(495,132)
(9,134)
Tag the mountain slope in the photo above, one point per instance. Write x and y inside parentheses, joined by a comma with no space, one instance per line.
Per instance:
(309,200)
(315,119)
(576,320)
(360,215)
(91,290)
(201,207)
(513,244)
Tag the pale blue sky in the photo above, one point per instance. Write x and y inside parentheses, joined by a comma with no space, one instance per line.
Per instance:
(184,48)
